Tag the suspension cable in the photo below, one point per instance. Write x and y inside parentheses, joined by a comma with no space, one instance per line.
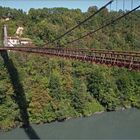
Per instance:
(132,4)
(110,7)
(116,5)
(81,22)
(124,5)
(123,23)
(132,26)
(110,23)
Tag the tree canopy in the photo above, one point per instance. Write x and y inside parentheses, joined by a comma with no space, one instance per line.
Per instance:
(56,89)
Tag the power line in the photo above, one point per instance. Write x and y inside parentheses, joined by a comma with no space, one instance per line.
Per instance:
(113,21)
(81,22)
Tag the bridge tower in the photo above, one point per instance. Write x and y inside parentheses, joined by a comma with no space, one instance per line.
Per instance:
(5,36)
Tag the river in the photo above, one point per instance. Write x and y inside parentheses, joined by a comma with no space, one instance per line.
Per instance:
(123,124)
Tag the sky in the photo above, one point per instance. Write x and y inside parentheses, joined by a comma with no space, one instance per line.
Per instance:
(71,4)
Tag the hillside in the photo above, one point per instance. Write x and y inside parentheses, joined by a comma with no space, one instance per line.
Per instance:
(39,89)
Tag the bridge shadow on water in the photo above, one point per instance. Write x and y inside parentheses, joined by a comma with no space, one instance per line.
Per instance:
(19,95)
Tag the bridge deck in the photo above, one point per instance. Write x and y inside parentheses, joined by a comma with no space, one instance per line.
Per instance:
(130,60)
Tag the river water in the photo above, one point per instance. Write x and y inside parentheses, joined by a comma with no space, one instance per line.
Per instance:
(109,125)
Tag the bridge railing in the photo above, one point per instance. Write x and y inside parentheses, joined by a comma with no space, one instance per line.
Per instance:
(126,59)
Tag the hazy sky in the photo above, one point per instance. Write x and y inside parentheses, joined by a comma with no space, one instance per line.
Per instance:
(71,4)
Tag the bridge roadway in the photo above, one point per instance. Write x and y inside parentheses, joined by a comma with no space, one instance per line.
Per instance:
(127,59)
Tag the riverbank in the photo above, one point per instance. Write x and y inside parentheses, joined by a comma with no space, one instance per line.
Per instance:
(122,124)
(69,118)
(41,123)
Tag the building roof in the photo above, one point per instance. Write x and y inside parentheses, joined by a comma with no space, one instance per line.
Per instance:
(12,38)
(20,39)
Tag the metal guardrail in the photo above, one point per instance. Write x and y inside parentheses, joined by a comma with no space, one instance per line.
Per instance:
(130,59)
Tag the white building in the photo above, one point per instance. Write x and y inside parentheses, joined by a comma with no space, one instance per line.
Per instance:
(13,41)
(24,41)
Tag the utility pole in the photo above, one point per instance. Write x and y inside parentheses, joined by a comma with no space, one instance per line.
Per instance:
(5,41)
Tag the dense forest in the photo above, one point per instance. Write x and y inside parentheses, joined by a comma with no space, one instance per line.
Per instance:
(39,89)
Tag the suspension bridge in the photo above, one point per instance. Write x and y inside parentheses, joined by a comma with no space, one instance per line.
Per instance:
(127,59)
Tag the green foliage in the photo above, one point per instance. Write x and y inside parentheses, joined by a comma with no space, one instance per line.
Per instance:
(56,89)
(79,96)
(101,85)
(54,86)
(93,107)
